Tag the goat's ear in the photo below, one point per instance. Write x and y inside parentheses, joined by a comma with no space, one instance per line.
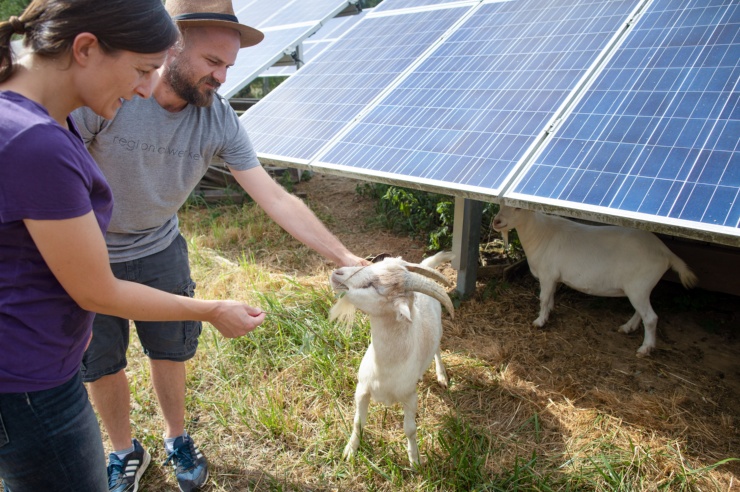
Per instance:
(403,311)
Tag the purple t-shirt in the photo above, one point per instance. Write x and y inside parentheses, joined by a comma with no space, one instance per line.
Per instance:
(45,174)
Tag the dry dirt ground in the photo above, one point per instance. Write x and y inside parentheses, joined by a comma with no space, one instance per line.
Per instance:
(689,390)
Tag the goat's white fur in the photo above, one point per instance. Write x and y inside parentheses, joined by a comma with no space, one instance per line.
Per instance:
(599,260)
(406,328)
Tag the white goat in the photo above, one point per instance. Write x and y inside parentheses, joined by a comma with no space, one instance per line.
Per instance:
(599,260)
(403,304)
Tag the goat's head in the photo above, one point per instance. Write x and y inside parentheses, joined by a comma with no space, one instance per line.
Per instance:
(385,288)
(509,218)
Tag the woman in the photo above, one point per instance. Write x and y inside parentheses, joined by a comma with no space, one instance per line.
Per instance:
(54,209)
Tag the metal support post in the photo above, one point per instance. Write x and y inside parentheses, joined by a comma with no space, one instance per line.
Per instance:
(465,243)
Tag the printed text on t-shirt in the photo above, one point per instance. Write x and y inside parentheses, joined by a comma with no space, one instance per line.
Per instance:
(131,145)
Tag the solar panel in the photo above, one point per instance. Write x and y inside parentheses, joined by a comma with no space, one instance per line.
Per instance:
(299,117)
(284,25)
(318,41)
(464,118)
(655,137)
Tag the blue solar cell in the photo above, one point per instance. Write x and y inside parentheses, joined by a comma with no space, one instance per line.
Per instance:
(298,118)
(467,114)
(669,99)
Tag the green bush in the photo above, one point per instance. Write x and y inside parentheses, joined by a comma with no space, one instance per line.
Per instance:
(429,216)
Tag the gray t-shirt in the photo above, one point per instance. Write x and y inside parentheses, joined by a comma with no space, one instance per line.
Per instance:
(153,159)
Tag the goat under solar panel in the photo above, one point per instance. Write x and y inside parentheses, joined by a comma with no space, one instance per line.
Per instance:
(297,119)
(465,117)
(655,137)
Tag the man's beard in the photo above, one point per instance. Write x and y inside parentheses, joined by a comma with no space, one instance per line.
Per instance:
(177,77)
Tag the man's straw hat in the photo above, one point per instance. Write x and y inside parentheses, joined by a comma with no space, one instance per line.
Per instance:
(214,13)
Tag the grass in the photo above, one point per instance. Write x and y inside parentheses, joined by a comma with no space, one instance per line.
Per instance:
(273,410)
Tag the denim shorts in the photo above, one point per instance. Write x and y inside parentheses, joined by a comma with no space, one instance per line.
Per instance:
(50,440)
(177,341)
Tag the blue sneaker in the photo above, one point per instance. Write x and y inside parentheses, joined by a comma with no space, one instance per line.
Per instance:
(191,468)
(124,474)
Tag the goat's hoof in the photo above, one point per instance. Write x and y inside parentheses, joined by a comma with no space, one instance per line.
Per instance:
(626,329)
(348,453)
(538,323)
(644,351)
(417,463)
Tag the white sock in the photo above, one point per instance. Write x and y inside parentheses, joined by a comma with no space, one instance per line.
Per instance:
(122,454)
(169,442)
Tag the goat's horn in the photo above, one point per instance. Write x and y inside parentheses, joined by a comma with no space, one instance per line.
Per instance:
(417,283)
(429,272)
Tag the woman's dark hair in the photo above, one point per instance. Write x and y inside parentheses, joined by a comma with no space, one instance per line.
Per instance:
(50,26)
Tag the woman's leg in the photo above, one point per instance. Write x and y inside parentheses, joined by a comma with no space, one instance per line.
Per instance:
(50,440)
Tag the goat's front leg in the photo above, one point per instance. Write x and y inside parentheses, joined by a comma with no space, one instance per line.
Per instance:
(362,401)
(547,300)
(409,427)
(442,378)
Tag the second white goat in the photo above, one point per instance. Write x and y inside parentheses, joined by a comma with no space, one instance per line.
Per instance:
(402,301)
(606,261)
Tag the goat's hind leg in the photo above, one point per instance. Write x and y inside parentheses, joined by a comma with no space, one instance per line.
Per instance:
(442,378)
(362,401)
(641,303)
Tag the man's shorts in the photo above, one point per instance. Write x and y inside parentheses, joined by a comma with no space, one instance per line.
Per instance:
(169,271)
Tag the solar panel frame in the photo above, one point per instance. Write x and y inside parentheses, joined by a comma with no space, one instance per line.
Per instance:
(386,6)
(615,159)
(300,11)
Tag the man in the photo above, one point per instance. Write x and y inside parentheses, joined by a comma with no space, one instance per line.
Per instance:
(153,153)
